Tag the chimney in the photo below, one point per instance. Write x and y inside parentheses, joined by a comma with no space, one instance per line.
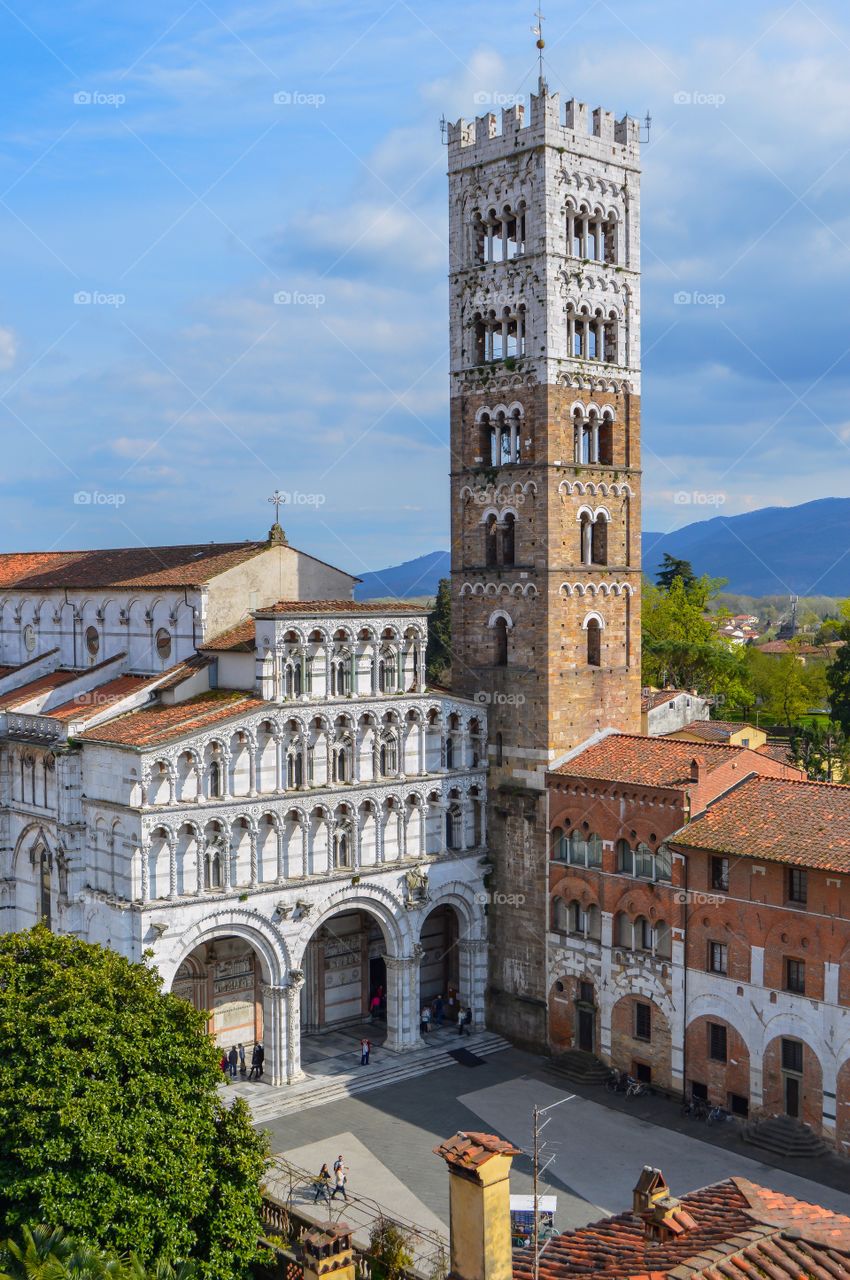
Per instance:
(480,1206)
(327,1252)
(696,769)
(662,1214)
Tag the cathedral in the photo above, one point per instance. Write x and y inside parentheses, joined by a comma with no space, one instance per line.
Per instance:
(214,756)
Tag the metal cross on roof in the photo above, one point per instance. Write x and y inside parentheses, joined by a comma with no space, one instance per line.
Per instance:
(278,499)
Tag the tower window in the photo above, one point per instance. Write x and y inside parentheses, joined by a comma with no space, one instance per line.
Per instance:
(500,643)
(491,549)
(508,539)
(594,643)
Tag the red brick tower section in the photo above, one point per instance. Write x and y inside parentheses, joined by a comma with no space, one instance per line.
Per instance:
(545,483)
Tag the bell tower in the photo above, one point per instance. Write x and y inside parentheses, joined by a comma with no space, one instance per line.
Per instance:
(544,241)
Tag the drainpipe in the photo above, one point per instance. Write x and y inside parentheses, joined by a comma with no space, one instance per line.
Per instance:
(194,619)
(73,627)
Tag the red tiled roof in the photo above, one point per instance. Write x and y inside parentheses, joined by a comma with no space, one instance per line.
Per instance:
(654,762)
(806,824)
(175,675)
(469,1150)
(739,1230)
(337,606)
(651,698)
(86,705)
(150,726)
(238,639)
(42,684)
(714,730)
(776,751)
(187,566)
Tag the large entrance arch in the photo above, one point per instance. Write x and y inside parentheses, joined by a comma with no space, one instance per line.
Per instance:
(344,969)
(439,970)
(224,977)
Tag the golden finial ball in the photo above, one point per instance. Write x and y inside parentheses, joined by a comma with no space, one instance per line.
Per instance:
(541,44)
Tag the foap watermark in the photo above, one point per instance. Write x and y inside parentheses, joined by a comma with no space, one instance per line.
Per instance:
(688,298)
(688,98)
(96,498)
(294,298)
(496,699)
(296,499)
(93,98)
(693,898)
(484,98)
(296,98)
(697,498)
(94,298)
(487,498)
(500,899)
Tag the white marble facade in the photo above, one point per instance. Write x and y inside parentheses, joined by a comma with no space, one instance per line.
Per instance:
(262,791)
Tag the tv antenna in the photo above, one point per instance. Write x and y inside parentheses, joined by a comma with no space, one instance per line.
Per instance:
(537,1170)
(647,124)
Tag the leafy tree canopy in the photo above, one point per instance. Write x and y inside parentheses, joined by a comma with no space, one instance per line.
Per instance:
(672,568)
(45,1253)
(681,645)
(783,687)
(838,673)
(822,750)
(111,1126)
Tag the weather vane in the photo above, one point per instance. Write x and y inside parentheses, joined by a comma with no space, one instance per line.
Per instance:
(277,499)
(541,43)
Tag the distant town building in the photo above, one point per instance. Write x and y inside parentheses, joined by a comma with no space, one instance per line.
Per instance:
(666,710)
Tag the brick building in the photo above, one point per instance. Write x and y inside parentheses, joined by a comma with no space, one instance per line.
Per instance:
(699,927)
(544,241)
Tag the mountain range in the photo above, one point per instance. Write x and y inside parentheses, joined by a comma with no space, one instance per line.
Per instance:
(803,550)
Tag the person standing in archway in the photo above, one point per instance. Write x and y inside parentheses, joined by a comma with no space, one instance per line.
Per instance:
(232,1061)
(365,1050)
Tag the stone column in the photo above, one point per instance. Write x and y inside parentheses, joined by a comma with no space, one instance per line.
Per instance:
(274,1032)
(605,993)
(678,1028)
(252,836)
(327,670)
(403,1001)
(379,833)
(172,867)
(305,846)
(199,865)
(473,977)
(423,756)
(144,855)
(281,868)
(253,748)
(280,764)
(293,1026)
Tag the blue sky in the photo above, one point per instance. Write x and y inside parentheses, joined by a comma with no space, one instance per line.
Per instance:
(147,164)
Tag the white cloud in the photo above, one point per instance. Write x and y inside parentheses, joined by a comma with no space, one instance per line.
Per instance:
(8,349)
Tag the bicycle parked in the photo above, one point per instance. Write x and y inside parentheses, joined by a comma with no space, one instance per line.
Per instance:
(695,1108)
(717,1115)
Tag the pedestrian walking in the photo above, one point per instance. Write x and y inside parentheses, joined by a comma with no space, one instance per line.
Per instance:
(340,1179)
(232,1061)
(375,1007)
(467,1021)
(242,1068)
(223,1062)
(439,1011)
(365,1049)
(255,1063)
(322,1184)
(425,1020)
(261,1056)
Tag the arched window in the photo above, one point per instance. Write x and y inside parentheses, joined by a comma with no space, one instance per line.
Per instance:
(294,770)
(500,642)
(585,537)
(454,827)
(578,849)
(560,918)
(213,872)
(578,918)
(216,789)
(491,549)
(508,539)
(663,940)
(340,849)
(599,540)
(642,934)
(45,894)
(594,643)
(625,858)
(557,845)
(623,931)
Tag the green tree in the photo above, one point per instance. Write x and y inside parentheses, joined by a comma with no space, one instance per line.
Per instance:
(390,1253)
(438,653)
(111,1125)
(672,568)
(681,645)
(45,1253)
(822,750)
(838,677)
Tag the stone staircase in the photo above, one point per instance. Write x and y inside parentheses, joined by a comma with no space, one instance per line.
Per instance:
(270,1102)
(580,1067)
(784,1137)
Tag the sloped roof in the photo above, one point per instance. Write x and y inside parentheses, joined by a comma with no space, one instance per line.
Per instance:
(651,698)
(239,639)
(84,706)
(805,824)
(41,684)
(653,762)
(714,730)
(184,566)
(319,607)
(735,1222)
(152,726)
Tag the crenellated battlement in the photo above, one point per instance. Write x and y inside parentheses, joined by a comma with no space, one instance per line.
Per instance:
(595,134)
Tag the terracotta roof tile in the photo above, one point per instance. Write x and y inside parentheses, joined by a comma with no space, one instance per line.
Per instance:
(320,607)
(739,1230)
(651,698)
(42,684)
(84,706)
(187,566)
(654,762)
(803,823)
(469,1150)
(238,639)
(714,730)
(152,726)
(776,751)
